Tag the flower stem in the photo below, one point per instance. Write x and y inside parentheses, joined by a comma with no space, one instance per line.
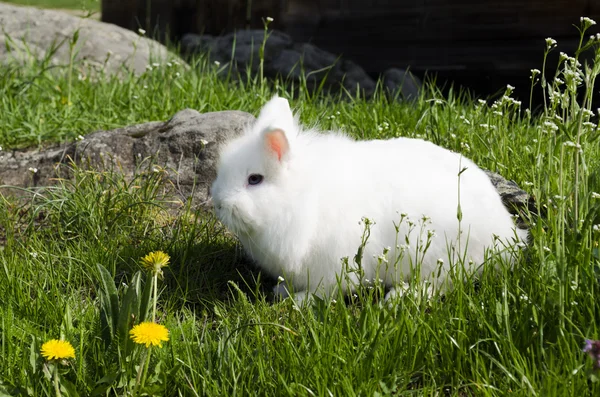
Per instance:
(146,365)
(139,372)
(155,297)
(56,384)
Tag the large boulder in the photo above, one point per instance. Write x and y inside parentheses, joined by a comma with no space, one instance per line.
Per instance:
(32,33)
(186,147)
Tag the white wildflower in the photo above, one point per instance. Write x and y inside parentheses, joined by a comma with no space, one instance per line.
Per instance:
(551,125)
(547,249)
(596,228)
(589,124)
(217,63)
(280,279)
(141,31)
(269,19)
(587,21)
(550,42)
(595,195)
(587,112)
(33,170)
(80,137)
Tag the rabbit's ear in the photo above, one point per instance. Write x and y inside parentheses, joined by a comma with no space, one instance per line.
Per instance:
(276,144)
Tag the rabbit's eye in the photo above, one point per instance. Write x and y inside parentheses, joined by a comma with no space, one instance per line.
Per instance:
(255,179)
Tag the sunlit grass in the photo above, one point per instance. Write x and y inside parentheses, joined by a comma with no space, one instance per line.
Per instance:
(70,264)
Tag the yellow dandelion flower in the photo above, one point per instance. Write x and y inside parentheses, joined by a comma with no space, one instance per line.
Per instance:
(155,261)
(149,333)
(57,350)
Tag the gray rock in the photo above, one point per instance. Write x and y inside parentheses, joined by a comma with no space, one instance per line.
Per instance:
(186,147)
(32,33)
(516,200)
(282,58)
(402,83)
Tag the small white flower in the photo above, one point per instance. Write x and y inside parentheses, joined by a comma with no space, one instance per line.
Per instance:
(587,112)
(217,63)
(587,21)
(141,31)
(280,279)
(177,74)
(589,124)
(550,42)
(269,19)
(80,137)
(510,87)
(551,125)
(595,195)
(440,261)
(535,71)
(486,126)
(596,228)
(149,68)
(145,87)
(524,297)
(481,102)
(571,144)
(527,183)
(155,64)
(204,142)
(34,254)
(136,97)
(0,148)
(497,113)
(33,170)
(547,249)
(466,121)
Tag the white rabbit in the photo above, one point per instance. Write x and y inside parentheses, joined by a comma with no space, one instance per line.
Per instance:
(295,199)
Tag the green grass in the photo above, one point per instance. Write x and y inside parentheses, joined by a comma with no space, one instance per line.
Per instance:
(87,5)
(517,332)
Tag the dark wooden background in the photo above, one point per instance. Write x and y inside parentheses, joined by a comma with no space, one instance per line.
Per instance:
(483,44)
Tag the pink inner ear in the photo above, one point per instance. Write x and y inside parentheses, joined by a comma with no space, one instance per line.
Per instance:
(277,143)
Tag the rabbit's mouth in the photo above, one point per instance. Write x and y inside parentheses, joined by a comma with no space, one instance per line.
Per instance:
(234,219)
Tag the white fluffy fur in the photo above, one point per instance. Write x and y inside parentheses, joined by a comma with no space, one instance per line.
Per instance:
(304,217)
